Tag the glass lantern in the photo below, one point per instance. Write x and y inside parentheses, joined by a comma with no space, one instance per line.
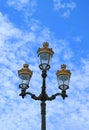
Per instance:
(45,55)
(63,77)
(25,75)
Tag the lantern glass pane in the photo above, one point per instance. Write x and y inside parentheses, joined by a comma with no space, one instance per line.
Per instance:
(25,78)
(44,59)
(63,81)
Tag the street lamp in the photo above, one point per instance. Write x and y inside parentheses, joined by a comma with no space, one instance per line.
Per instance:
(45,53)
(25,75)
(63,77)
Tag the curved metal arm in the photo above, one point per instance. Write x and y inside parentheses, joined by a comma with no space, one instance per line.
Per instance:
(63,94)
(53,96)
(23,94)
(33,96)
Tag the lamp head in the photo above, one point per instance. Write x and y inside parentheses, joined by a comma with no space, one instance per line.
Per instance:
(25,75)
(45,53)
(63,77)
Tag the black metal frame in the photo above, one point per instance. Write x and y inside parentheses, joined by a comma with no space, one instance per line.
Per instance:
(43,97)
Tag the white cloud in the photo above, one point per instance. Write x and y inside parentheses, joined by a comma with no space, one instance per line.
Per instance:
(66,8)
(28,7)
(18,4)
(12,54)
(71,5)
(7,30)
(58,5)
(66,14)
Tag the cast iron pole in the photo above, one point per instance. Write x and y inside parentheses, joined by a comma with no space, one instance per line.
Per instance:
(43,104)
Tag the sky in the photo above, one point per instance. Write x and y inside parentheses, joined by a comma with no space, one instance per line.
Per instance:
(24,26)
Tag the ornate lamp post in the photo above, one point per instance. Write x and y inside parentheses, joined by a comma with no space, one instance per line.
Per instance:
(45,53)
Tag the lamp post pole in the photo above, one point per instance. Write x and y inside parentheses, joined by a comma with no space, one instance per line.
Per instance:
(63,77)
(43,115)
(43,103)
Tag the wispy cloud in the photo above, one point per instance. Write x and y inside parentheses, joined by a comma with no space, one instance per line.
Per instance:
(66,8)
(27,7)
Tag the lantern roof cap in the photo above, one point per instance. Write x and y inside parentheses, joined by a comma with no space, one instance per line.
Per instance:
(63,71)
(25,70)
(45,49)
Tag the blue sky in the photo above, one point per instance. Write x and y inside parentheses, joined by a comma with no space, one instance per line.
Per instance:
(24,26)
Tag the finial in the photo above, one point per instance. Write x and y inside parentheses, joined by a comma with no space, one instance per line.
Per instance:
(63,66)
(25,65)
(45,44)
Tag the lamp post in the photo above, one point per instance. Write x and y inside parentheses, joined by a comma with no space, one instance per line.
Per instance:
(63,76)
